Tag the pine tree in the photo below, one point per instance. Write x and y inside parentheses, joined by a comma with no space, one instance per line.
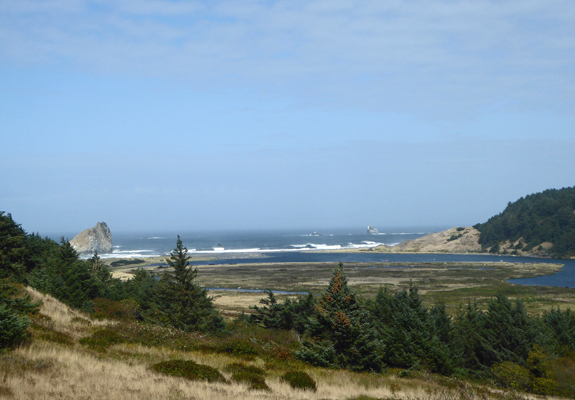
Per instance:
(413,335)
(179,302)
(342,332)
(15,305)
(12,247)
(291,314)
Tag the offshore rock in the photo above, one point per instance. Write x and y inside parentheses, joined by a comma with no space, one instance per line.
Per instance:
(97,239)
(372,231)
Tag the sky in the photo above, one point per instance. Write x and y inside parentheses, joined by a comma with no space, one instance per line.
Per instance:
(230,115)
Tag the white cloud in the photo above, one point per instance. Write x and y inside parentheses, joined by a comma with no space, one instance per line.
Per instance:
(430,57)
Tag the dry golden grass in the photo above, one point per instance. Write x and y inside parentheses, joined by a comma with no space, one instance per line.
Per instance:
(48,370)
(63,318)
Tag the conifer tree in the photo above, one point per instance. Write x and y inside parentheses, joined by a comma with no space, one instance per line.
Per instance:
(412,335)
(291,314)
(179,302)
(12,247)
(15,305)
(341,331)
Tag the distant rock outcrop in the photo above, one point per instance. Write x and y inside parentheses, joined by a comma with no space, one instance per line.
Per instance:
(97,239)
(454,240)
(372,231)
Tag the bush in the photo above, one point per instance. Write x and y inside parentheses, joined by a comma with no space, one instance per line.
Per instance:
(239,367)
(511,375)
(50,335)
(102,338)
(299,380)
(12,327)
(189,370)
(254,380)
(107,308)
(239,348)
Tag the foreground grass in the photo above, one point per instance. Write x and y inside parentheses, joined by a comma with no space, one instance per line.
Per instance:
(73,357)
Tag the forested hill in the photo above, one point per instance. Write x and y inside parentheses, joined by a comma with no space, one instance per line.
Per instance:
(542,221)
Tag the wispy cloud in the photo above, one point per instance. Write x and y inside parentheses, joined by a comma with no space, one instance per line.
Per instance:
(429,56)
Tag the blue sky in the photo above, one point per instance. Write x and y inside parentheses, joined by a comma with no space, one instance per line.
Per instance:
(193,115)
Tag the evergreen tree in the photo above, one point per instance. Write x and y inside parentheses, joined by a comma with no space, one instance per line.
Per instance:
(413,337)
(509,330)
(562,324)
(291,314)
(12,247)
(179,302)
(68,279)
(15,305)
(342,333)
(469,340)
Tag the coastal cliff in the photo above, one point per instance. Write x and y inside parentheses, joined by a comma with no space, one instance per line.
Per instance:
(454,240)
(460,241)
(97,239)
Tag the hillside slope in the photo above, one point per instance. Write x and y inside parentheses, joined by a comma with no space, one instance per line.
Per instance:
(541,222)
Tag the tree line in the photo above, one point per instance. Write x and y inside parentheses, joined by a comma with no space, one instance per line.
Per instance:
(548,216)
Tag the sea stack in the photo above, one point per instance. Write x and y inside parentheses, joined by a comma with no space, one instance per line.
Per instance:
(372,231)
(97,239)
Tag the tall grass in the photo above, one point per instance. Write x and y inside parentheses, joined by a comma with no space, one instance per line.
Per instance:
(47,369)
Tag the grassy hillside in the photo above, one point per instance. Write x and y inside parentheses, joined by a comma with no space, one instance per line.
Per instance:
(542,221)
(73,356)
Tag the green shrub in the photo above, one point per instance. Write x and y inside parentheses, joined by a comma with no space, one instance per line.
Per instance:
(511,375)
(239,348)
(239,367)
(255,381)
(55,337)
(12,327)
(299,380)
(189,370)
(107,308)
(102,338)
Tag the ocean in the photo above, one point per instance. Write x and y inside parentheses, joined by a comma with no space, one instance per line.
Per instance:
(148,244)
(303,246)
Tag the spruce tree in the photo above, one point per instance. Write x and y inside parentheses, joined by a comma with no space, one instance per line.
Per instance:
(179,302)
(12,247)
(342,333)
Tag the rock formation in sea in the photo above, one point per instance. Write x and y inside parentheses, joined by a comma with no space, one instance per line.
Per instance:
(97,239)
(372,231)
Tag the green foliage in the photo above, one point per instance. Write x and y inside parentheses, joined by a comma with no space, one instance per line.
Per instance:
(12,247)
(15,306)
(179,302)
(454,237)
(291,314)
(121,263)
(509,332)
(562,323)
(110,309)
(541,217)
(341,331)
(12,327)
(189,370)
(102,338)
(68,278)
(238,367)
(413,337)
(511,375)
(299,380)
(254,380)
(238,347)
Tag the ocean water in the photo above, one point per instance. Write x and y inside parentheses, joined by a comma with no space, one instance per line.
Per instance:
(302,246)
(148,244)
